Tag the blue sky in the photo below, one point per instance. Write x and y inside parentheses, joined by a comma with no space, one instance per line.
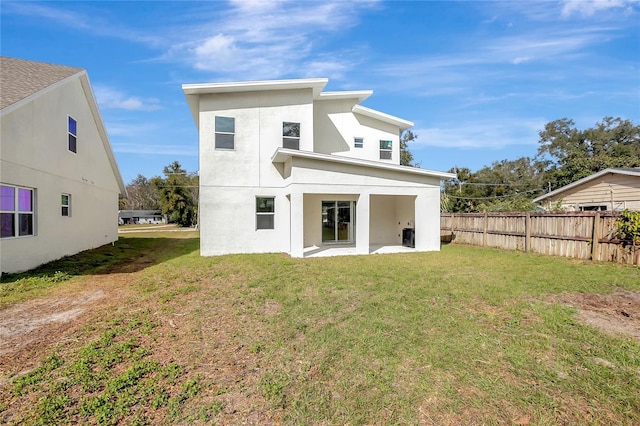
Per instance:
(479,79)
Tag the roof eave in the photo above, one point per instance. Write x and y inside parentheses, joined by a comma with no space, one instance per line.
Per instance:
(396,121)
(585,180)
(316,84)
(360,95)
(93,105)
(283,154)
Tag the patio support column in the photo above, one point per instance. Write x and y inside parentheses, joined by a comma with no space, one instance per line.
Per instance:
(297,224)
(427,214)
(362,223)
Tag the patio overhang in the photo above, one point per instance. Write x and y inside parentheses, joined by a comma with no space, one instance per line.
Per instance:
(282,155)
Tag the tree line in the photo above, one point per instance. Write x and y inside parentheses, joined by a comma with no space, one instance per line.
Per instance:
(175,194)
(565,154)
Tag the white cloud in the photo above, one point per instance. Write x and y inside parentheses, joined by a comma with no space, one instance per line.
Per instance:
(109,98)
(588,8)
(544,54)
(489,134)
(267,39)
(81,16)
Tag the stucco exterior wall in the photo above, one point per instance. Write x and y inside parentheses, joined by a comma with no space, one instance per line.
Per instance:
(388,199)
(258,133)
(34,153)
(228,221)
(337,126)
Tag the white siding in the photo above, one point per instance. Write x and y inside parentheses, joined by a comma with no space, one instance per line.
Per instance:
(34,153)
(615,191)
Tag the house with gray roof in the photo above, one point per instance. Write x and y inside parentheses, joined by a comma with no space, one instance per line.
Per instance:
(59,181)
(610,189)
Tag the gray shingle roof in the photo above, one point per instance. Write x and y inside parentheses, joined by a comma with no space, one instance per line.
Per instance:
(20,78)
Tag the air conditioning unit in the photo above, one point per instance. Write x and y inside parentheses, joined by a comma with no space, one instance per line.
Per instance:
(409,237)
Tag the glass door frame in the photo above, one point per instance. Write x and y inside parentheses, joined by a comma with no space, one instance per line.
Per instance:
(350,224)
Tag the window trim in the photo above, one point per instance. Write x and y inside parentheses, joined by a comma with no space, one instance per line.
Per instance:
(18,213)
(358,142)
(289,138)
(593,207)
(67,205)
(272,214)
(72,135)
(220,132)
(386,152)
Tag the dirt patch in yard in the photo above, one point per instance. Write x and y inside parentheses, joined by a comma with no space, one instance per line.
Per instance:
(615,313)
(30,329)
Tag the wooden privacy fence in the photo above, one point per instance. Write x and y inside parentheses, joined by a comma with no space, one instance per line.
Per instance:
(580,235)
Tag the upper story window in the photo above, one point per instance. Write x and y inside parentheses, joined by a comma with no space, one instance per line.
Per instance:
(66,204)
(265,212)
(72,131)
(385,150)
(291,135)
(16,211)
(225,132)
(358,142)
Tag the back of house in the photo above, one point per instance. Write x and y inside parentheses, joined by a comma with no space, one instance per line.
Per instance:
(59,179)
(287,167)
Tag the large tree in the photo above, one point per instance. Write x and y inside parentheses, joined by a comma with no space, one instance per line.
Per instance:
(178,194)
(507,185)
(406,157)
(569,154)
(142,195)
(565,155)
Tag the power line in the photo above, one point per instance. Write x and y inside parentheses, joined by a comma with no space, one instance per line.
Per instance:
(495,196)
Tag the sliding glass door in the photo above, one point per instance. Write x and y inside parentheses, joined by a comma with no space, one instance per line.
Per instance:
(338,219)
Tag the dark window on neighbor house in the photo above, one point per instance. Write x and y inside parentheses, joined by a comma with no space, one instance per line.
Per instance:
(16,211)
(65,203)
(358,142)
(593,208)
(291,135)
(225,132)
(72,131)
(265,212)
(385,150)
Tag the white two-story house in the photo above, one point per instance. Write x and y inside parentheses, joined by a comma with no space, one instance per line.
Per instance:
(286,167)
(59,181)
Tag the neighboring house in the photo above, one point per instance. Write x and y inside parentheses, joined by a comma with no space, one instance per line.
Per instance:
(609,189)
(58,175)
(286,167)
(129,217)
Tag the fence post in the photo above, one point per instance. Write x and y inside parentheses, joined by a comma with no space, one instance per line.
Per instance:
(527,232)
(595,237)
(453,222)
(484,230)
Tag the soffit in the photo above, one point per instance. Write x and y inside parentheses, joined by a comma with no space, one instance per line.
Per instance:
(282,154)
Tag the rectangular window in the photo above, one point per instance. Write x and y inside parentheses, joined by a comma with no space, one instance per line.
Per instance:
(66,204)
(291,135)
(16,211)
(385,150)
(225,132)
(358,142)
(265,212)
(72,130)
(593,208)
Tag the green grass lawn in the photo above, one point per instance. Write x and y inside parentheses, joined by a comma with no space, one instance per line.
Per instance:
(462,336)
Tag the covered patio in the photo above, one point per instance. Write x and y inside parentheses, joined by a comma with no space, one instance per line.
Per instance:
(348,250)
